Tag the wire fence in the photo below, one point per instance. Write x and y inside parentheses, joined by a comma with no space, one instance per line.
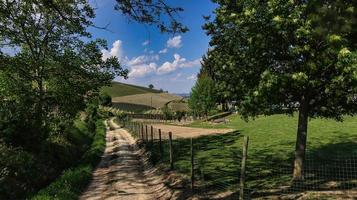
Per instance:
(213,167)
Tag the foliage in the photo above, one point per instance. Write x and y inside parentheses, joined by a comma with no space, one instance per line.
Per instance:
(54,72)
(153,12)
(203,96)
(179,115)
(167,112)
(279,55)
(105,99)
(151,86)
(74,180)
(19,166)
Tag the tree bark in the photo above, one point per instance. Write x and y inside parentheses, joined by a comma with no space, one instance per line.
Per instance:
(301,138)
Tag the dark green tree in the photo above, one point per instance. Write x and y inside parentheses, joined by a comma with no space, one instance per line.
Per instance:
(203,96)
(287,56)
(105,99)
(151,86)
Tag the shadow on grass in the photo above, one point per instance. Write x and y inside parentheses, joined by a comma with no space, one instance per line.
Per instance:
(269,173)
(331,167)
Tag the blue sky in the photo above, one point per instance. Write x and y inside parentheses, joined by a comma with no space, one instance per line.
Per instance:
(167,61)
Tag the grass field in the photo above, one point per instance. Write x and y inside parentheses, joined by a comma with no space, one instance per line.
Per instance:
(150,100)
(121,89)
(270,154)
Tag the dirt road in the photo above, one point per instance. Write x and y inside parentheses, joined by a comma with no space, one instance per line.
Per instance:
(187,132)
(124,174)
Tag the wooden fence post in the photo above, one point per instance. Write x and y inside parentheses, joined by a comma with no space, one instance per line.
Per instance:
(171,152)
(146,133)
(142,132)
(160,144)
(152,135)
(242,172)
(192,167)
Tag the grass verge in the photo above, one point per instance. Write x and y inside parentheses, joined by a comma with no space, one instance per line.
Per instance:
(270,154)
(74,180)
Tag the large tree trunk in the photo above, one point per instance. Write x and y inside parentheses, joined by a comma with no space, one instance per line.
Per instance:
(301,140)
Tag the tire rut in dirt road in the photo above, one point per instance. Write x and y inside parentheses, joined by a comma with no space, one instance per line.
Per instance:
(123,174)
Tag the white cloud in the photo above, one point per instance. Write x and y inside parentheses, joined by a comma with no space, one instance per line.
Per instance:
(142,59)
(142,70)
(146,42)
(170,67)
(142,65)
(193,63)
(192,77)
(174,42)
(178,62)
(146,64)
(116,50)
(163,50)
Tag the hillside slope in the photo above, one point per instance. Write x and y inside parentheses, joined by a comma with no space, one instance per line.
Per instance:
(153,100)
(121,89)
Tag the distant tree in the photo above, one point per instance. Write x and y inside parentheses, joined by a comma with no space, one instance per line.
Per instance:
(151,86)
(161,90)
(167,112)
(286,56)
(105,99)
(179,115)
(203,96)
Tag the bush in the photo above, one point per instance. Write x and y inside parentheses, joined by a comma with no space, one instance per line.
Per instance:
(105,99)
(17,169)
(74,180)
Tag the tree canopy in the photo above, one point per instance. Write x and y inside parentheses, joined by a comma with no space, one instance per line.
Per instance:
(53,71)
(203,96)
(286,55)
(153,12)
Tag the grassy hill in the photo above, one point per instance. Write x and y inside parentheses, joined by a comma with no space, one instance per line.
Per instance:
(145,101)
(121,89)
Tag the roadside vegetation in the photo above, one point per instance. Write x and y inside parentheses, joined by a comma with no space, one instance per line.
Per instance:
(74,180)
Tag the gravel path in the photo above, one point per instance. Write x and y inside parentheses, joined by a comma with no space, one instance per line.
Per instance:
(123,174)
(187,132)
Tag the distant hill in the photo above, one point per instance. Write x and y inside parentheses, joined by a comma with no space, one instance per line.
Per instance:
(121,89)
(152,100)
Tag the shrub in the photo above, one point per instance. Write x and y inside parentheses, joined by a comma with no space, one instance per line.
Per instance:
(73,181)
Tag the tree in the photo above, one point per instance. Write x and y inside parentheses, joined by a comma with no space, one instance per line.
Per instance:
(167,112)
(105,99)
(203,96)
(286,56)
(151,86)
(207,67)
(53,72)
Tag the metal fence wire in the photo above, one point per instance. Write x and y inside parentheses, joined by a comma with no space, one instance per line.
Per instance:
(213,167)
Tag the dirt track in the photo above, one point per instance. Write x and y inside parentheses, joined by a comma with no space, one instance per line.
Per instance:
(123,174)
(187,132)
